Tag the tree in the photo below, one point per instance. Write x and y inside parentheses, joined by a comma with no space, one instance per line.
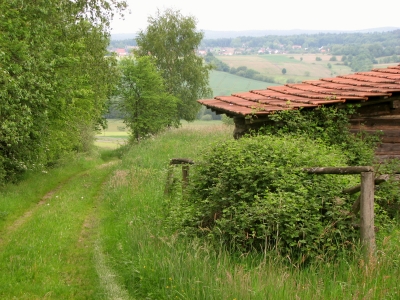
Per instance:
(55,79)
(284,71)
(171,39)
(145,105)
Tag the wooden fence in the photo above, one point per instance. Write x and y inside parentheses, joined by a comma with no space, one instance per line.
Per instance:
(366,201)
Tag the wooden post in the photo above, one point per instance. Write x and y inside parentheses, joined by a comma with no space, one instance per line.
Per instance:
(170,180)
(367,230)
(185,176)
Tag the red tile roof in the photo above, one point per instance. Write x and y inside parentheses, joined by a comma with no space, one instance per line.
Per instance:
(353,88)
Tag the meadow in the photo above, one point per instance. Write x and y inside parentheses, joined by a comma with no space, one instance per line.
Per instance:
(223,83)
(298,67)
(94,228)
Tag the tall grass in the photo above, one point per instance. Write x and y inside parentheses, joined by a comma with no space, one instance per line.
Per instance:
(152,262)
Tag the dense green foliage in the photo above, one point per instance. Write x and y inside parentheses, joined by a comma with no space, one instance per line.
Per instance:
(330,125)
(253,193)
(54,79)
(142,93)
(171,39)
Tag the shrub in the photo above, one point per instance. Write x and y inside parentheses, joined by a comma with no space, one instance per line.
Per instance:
(227,120)
(206,118)
(329,124)
(253,194)
(387,194)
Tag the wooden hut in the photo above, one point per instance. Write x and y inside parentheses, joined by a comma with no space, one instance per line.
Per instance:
(377,92)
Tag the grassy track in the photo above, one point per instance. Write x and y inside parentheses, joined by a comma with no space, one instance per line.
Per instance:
(48,251)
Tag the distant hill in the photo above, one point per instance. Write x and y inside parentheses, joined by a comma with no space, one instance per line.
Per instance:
(211,34)
(122,36)
(214,34)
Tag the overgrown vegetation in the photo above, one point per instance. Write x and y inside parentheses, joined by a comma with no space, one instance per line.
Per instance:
(252,194)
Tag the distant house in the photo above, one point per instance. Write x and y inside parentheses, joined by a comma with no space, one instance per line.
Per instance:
(377,93)
(296,47)
(202,52)
(121,52)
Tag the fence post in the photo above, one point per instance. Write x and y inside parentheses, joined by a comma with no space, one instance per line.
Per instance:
(367,230)
(185,176)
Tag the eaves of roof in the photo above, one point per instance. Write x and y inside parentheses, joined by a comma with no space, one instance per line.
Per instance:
(352,88)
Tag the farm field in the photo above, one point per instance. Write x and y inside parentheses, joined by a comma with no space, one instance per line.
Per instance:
(93,228)
(114,136)
(272,65)
(223,83)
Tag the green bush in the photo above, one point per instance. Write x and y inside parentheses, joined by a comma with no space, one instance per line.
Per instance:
(331,125)
(253,194)
(387,194)
(206,118)
(227,120)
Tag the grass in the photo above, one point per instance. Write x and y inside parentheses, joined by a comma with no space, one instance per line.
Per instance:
(114,243)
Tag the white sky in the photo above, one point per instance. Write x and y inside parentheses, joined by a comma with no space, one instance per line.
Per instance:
(238,15)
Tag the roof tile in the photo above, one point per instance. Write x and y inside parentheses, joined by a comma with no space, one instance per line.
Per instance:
(361,86)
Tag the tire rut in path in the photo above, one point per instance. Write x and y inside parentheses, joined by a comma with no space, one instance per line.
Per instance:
(27,214)
(89,237)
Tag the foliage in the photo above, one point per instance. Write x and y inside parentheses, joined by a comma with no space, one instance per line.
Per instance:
(330,125)
(284,71)
(171,39)
(227,120)
(387,194)
(143,96)
(253,194)
(55,79)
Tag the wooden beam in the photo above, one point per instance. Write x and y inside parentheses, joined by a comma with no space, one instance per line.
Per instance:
(181,161)
(339,170)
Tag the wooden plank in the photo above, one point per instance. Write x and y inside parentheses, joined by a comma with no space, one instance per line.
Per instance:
(180,161)
(392,121)
(385,135)
(339,170)
(388,148)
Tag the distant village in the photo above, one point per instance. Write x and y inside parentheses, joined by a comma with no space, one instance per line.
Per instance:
(120,52)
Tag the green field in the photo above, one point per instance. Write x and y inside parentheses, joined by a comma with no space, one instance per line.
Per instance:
(223,83)
(272,65)
(114,136)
